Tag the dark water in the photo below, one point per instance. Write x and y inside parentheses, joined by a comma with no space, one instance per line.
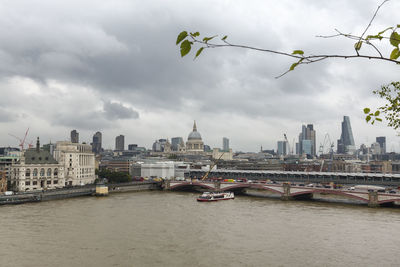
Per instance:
(172,229)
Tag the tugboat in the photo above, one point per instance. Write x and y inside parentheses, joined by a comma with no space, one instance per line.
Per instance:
(215,196)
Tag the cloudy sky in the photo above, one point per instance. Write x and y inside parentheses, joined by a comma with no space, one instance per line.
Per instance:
(113,66)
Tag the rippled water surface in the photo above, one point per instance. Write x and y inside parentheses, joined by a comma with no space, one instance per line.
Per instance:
(172,229)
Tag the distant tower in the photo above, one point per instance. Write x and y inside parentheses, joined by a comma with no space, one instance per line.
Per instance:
(382,142)
(307,141)
(283,148)
(96,145)
(225,144)
(175,143)
(74,136)
(120,143)
(345,145)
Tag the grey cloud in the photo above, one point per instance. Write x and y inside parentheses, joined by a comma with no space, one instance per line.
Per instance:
(114,110)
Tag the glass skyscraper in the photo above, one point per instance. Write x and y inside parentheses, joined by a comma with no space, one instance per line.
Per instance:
(346,144)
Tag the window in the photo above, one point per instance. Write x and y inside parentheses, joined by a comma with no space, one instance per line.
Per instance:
(41,172)
(35,172)
(48,182)
(49,172)
(34,182)
(55,182)
(27,183)
(28,173)
(55,172)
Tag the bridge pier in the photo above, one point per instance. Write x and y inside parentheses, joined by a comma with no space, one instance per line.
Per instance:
(217,185)
(167,184)
(373,199)
(286,192)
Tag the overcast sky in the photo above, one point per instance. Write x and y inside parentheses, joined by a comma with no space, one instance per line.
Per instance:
(113,66)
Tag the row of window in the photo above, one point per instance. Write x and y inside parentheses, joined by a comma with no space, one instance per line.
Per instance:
(35,182)
(42,172)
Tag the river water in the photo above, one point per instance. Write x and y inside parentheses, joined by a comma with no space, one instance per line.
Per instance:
(172,229)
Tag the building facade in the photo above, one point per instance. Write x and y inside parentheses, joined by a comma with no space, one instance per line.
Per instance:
(96,144)
(225,144)
(74,136)
(77,161)
(36,169)
(346,145)
(120,143)
(382,142)
(307,133)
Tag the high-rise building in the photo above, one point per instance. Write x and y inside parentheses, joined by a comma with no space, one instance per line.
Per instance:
(308,148)
(120,143)
(132,147)
(382,142)
(345,145)
(74,136)
(283,148)
(176,142)
(225,144)
(96,145)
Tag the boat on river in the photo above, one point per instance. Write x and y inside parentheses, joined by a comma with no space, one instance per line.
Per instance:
(215,196)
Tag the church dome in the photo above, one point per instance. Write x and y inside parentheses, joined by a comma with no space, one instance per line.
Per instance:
(194,135)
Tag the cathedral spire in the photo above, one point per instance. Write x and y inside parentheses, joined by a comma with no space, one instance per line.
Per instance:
(194,127)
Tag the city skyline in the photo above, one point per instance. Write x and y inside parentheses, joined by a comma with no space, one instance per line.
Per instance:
(63,70)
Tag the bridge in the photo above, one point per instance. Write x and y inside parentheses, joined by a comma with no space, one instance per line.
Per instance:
(305,177)
(287,191)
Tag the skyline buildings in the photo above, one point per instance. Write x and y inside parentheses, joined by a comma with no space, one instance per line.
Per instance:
(307,141)
(382,143)
(225,144)
(97,143)
(74,136)
(346,143)
(282,148)
(120,143)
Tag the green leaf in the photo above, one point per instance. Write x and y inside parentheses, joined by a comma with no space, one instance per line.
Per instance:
(181,36)
(377,113)
(395,54)
(224,38)
(390,28)
(294,65)
(395,39)
(374,37)
(195,34)
(378,119)
(199,52)
(357,45)
(185,47)
(206,39)
(299,52)
(368,118)
(366,110)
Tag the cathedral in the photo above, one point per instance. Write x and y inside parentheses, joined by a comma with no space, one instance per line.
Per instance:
(194,143)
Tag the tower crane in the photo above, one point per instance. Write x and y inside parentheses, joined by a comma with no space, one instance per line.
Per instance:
(290,148)
(22,140)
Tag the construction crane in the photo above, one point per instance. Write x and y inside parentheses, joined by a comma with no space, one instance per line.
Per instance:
(212,166)
(327,141)
(290,148)
(22,140)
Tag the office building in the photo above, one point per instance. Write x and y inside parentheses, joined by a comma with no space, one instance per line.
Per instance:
(120,143)
(225,144)
(283,148)
(74,136)
(382,142)
(308,148)
(96,145)
(176,143)
(345,145)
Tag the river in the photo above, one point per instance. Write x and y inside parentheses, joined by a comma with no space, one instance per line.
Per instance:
(152,228)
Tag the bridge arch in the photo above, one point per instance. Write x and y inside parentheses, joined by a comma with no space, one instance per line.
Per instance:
(334,192)
(191,184)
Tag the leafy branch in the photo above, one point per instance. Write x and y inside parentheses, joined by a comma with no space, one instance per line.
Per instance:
(391,34)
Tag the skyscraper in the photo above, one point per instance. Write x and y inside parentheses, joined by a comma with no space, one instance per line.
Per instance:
(176,142)
(120,142)
(96,144)
(382,142)
(283,148)
(74,136)
(345,145)
(308,148)
(225,144)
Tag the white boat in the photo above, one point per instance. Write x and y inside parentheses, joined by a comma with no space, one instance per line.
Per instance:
(215,196)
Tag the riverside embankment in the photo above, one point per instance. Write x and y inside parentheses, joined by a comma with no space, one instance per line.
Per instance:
(77,191)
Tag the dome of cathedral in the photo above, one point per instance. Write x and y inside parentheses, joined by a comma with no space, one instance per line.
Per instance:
(194,135)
